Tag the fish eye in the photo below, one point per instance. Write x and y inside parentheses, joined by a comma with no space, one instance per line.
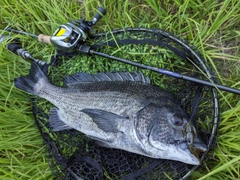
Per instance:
(177,121)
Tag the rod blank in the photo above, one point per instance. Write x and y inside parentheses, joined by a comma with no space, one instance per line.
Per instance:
(168,73)
(41,37)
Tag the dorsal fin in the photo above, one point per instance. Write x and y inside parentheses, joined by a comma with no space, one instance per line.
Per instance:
(83,77)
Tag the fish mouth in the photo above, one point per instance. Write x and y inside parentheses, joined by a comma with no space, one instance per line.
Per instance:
(185,154)
(196,150)
(194,142)
(197,146)
(200,146)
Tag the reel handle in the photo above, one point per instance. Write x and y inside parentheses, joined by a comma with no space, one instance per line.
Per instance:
(98,15)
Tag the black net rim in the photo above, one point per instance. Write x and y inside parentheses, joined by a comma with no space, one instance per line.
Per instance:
(194,58)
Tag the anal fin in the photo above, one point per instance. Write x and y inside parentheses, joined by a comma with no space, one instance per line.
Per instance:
(56,122)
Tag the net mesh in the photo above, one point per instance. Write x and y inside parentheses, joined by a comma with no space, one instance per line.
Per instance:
(72,155)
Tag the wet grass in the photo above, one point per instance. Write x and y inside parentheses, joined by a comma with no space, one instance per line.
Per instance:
(212,26)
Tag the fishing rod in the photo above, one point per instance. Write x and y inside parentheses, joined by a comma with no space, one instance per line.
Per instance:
(72,36)
(89,51)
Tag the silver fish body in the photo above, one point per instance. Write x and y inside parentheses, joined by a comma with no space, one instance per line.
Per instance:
(118,110)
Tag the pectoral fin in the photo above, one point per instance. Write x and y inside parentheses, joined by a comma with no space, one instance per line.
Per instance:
(56,122)
(106,121)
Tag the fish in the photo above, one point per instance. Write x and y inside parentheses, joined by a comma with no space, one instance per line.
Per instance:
(119,110)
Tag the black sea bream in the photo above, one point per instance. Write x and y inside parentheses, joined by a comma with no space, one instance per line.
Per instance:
(119,110)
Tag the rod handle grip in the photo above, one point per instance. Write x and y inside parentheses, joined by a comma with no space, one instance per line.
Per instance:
(13,47)
(44,38)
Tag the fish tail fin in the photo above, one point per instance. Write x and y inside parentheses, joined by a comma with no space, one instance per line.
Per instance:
(33,82)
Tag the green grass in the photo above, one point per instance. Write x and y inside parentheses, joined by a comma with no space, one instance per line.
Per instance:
(212,26)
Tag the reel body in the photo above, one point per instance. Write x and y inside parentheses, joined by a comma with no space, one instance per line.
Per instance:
(67,37)
(71,34)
